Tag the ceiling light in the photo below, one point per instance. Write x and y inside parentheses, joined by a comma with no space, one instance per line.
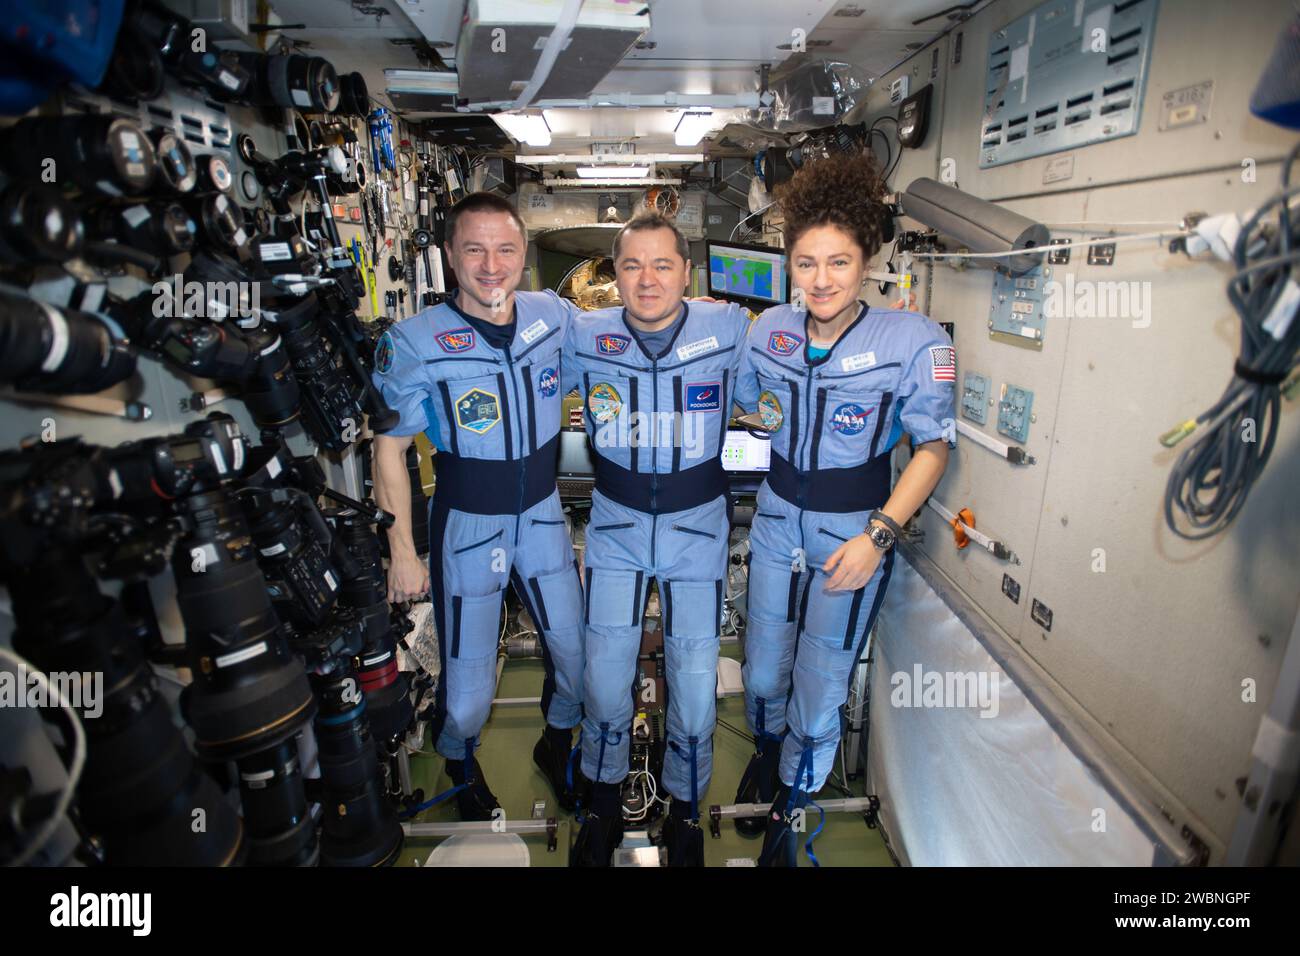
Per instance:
(619,171)
(528,128)
(692,127)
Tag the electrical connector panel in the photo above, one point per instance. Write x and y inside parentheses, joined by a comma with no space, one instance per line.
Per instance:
(1016,315)
(975,397)
(1015,411)
(1069,73)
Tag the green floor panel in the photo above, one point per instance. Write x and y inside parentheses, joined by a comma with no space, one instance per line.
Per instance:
(506,751)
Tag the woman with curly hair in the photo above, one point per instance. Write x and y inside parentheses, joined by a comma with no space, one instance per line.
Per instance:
(838,384)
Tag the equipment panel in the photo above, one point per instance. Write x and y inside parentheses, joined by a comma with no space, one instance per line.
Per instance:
(1069,73)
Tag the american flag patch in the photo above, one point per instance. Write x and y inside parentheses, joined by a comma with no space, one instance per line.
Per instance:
(944,360)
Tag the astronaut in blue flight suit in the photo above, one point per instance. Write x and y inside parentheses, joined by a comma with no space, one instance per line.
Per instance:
(839,383)
(488,396)
(656,379)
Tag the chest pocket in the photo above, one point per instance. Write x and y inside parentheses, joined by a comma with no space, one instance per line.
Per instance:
(612,411)
(701,396)
(779,405)
(855,414)
(540,388)
(474,399)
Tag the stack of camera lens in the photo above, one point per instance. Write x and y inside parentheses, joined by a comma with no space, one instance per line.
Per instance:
(156,37)
(61,351)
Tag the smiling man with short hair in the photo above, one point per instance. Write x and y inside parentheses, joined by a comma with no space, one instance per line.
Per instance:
(656,378)
(480,376)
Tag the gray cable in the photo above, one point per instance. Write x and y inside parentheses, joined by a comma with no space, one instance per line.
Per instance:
(1213,477)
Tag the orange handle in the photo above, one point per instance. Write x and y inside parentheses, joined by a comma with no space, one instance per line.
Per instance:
(964,517)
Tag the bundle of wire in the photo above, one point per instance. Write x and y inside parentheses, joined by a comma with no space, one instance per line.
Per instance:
(1233,439)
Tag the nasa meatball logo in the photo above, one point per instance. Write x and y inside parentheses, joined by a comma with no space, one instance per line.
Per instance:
(548,383)
(384,354)
(850,419)
(783,343)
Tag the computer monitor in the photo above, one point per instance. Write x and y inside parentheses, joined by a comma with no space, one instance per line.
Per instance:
(745,452)
(753,276)
(575,454)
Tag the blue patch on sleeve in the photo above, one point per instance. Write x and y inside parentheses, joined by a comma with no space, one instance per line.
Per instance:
(384,351)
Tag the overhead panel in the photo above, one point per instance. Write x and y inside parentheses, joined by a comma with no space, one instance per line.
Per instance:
(501,42)
(1067,74)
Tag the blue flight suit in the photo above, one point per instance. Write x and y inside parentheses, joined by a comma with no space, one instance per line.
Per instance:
(493,414)
(839,417)
(659,509)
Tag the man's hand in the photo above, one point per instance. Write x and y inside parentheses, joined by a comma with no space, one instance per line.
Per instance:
(408,578)
(854,562)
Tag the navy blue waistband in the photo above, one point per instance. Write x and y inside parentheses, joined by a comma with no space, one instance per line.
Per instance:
(864,487)
(482,486)
(662,493)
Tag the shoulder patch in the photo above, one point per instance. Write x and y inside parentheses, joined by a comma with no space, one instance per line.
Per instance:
(943,359)
(384,352)
(611,344)
(457,340)
(783,343)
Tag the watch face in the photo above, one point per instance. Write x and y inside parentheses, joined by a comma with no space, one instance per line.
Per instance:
(883,538)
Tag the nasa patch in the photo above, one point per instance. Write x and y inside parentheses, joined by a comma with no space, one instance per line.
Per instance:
(612,344)
(548,382)
(850,419)
(705,397)
(457,340)
(604,402)
(783,343)
(384,350)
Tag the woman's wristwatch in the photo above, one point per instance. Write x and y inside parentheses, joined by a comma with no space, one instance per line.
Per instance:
(883,537)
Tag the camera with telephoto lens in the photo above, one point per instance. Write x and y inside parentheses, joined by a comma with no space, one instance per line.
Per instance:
(62,351)
(140,780)
(239,350)
(325,593)
(249,696)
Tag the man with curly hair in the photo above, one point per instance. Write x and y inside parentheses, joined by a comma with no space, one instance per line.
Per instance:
(838,384)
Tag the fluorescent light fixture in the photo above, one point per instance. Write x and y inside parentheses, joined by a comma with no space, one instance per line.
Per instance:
(617,171)
(692,127)
(529,128)
(421,81)
(637,184)
(585,159)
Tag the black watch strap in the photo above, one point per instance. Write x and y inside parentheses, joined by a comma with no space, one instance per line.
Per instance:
(887,521)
